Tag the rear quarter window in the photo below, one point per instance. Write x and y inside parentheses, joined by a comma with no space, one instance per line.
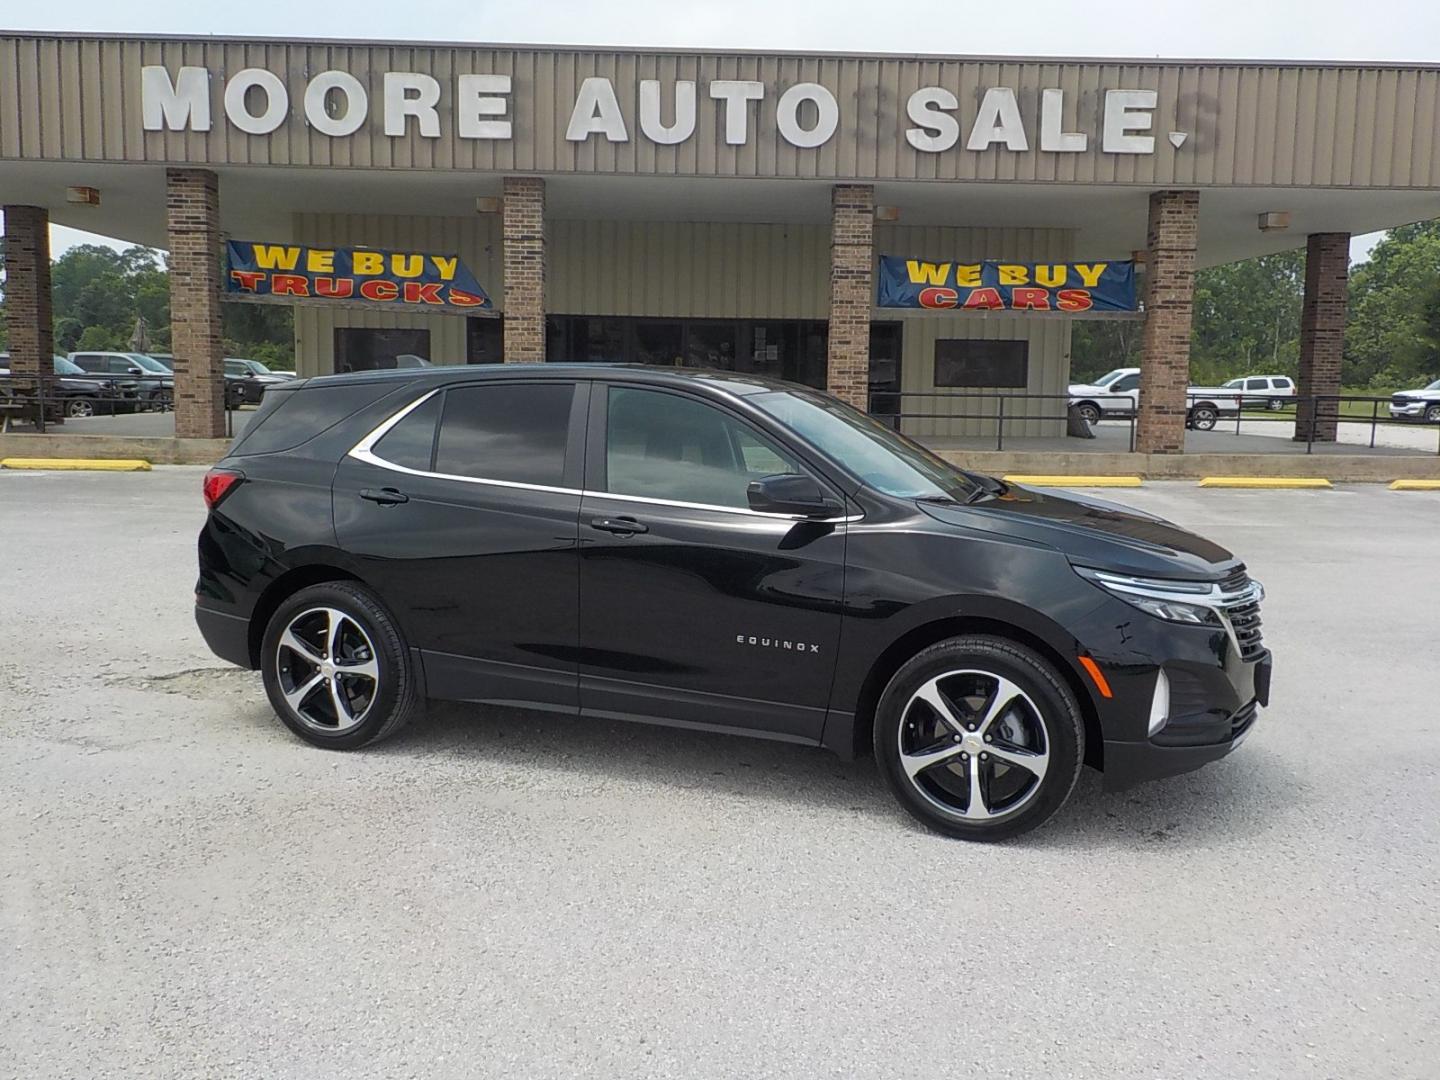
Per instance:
(288,418)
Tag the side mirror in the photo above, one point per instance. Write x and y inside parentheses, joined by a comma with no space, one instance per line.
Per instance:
(791,493)
(135,371)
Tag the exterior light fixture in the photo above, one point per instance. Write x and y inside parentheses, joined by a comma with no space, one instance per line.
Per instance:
(1275,220)
(488,204)
(84,196)
(887,213)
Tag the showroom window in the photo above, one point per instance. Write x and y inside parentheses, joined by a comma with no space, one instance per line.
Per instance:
(971,362)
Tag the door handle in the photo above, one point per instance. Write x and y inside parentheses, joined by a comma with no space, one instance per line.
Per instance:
(384,496)
(623,526)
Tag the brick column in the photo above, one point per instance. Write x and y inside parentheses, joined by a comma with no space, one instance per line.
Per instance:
(524,231)
(852,229)
(1322,332)
(192,207)
(27,295)
(1169,300)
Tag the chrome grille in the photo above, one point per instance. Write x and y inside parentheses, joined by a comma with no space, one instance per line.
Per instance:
(1239,603)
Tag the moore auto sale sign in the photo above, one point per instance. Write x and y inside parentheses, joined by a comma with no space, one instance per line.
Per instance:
(337,104)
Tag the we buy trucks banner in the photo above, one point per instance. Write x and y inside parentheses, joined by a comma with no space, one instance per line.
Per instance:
(1007,286)
(366,277)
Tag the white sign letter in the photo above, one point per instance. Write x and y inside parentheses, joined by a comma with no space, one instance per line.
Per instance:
(399,103)
(938,130)
(1052,123)
(1127,111)
(186,103)
(597,111)
(998,121)
(787,115)
(357,103)
(650,123)
(477,96)
(277,101)
(736,93)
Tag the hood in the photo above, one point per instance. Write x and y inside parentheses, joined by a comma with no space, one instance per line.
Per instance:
(1093,532)
(1086,388)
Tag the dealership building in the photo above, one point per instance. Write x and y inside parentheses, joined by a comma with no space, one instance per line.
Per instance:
(716,209)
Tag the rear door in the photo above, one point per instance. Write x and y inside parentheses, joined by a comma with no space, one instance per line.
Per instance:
(462,510)
(693,607)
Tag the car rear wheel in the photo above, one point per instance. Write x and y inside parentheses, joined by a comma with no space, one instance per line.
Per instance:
(979,738)
(80,408)
(1276,404)
(1203,417)
(336,668)
(1432,414)
(1090,411)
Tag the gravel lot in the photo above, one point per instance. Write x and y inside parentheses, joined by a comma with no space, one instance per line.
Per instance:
(187,890)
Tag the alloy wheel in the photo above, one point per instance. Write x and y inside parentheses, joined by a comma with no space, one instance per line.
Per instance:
(327,669)
(973,744)
(79,408)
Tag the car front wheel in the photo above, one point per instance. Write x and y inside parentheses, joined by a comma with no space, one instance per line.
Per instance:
(1090,412)
(80,408)
(1203,417)
(979,738)
(336,668)
(1432,414)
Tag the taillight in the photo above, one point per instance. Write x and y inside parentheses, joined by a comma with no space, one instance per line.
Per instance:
(219,483)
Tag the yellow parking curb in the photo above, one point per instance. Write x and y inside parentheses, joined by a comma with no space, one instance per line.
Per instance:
(102,464)
(1076,481)
(1264,482)
(1415,485)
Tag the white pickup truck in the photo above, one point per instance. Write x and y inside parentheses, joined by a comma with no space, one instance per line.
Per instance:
(1117,393)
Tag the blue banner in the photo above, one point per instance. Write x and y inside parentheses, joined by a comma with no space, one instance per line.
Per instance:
(994,285)
(296,273)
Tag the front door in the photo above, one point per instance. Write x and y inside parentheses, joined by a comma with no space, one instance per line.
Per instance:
(469,534)
(694,608)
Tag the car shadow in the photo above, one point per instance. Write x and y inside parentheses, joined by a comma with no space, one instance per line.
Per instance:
(1235,797)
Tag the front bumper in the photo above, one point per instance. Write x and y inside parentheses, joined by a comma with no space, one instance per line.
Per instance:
(1192,738)
(1413,410)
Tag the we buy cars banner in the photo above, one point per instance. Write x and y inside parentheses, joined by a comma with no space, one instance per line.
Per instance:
(993,285)
(366,277)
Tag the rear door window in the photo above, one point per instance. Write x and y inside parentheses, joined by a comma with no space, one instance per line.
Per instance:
(1257,384)
(515,432)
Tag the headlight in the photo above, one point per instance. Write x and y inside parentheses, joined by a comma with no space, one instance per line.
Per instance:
(1163,599)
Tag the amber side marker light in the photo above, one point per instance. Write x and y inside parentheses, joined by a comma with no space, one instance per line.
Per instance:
(1097,676)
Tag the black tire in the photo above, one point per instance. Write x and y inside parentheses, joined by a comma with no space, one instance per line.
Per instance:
(1050,705)
(80,408)
(391,705)
(1432,414)
(1276,404)
(1203,417)
(1089,411)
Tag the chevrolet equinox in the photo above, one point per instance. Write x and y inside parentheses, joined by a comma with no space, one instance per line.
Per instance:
(721,552)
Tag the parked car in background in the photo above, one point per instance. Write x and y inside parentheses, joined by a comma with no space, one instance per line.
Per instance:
(1422,404)
(79,395)
(246,380)
(1117,394)
(1263,391)
(155,385)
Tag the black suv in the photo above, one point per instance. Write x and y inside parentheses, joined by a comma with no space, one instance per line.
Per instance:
(720,552)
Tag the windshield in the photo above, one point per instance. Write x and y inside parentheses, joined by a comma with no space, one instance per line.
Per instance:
(166,362)
(142,361)
(1110,376)
(257,367)
(64,366)
(886,460)
(1233,384)
(1434,385)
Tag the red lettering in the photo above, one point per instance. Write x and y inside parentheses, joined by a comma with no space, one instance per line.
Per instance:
(338,288)
(986,299)
(289,285)
(1030,300)
(249,280)
(461,298)
(379,289)
(938,298)
(1074,300)
(423,293)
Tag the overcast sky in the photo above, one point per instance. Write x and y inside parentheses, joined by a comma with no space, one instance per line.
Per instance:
(1200,29)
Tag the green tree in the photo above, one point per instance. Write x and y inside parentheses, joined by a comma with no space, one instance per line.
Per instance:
(97,339)
(1393,336)
(1247,318)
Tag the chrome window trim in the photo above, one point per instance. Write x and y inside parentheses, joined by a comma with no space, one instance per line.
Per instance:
(364,451)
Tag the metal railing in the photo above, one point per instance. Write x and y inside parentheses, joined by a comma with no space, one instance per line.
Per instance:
(1311,415)
(46,402)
